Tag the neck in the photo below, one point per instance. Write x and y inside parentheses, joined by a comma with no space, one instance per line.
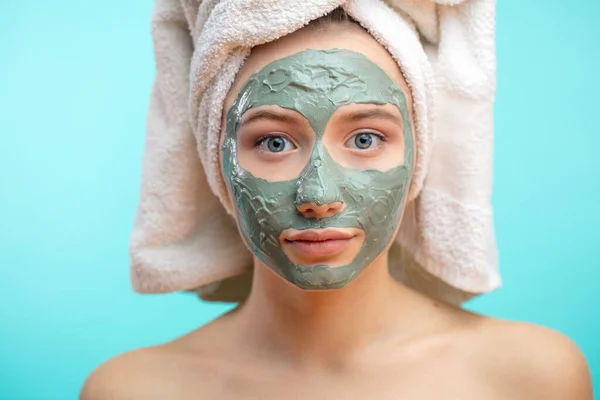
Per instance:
(326,327)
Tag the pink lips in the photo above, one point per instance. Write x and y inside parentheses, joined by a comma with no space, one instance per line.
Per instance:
(319,242)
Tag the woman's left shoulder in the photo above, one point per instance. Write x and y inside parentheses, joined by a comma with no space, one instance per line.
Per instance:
(536,361)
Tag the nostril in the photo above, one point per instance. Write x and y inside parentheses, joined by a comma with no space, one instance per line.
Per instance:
(312,210)
(335,207)
(332,210)
(303,208)
(306,210)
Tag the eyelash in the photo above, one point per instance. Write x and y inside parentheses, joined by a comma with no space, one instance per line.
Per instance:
(261,143)
(264,138)
(378,135)
(261,140)
(374,133)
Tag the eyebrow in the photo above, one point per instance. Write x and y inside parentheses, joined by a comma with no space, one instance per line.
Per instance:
(376,114)
(264,114)
(352,117)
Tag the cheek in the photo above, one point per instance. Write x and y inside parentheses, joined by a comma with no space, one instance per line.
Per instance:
(264,206)
(379,197)
(272,167)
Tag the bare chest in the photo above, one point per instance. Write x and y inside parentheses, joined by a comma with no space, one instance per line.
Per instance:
(436,381)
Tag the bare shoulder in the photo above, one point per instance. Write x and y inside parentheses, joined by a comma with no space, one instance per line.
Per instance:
(130,375)
(184,365)
(532,361)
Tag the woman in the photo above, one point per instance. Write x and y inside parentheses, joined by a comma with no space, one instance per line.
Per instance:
(319,149)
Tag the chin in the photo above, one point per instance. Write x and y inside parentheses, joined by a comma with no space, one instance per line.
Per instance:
(320,277)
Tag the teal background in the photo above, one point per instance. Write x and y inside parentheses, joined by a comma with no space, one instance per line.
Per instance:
(75,81)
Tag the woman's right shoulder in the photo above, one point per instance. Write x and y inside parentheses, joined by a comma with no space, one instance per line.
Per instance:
(142,373)
(128,376)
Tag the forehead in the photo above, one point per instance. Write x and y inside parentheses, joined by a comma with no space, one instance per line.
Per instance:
(353,38)
(340,75)
(316,83)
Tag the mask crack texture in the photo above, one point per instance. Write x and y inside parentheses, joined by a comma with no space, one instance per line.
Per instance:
(315,83)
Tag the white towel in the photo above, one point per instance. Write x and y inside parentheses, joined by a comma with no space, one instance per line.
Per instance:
(184,236)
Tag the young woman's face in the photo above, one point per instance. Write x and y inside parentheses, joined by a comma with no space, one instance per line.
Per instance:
(317,153)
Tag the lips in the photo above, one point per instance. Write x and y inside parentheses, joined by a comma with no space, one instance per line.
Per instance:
(318,244)
(319,235)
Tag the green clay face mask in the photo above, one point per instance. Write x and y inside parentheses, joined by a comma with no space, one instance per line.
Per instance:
(316,83)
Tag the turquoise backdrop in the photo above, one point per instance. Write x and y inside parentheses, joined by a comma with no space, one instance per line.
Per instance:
(75,81)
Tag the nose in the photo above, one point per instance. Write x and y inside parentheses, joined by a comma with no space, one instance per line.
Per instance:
(313,210)
(318,194)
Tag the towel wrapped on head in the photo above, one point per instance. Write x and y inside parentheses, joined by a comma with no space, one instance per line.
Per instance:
(184,237)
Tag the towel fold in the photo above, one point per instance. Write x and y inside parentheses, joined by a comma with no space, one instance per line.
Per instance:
(184,237)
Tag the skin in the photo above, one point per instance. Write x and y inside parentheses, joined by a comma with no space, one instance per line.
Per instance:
(352,186)
(373,338)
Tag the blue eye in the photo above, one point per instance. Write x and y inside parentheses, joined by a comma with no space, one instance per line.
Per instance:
(275,144)
(364,141)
